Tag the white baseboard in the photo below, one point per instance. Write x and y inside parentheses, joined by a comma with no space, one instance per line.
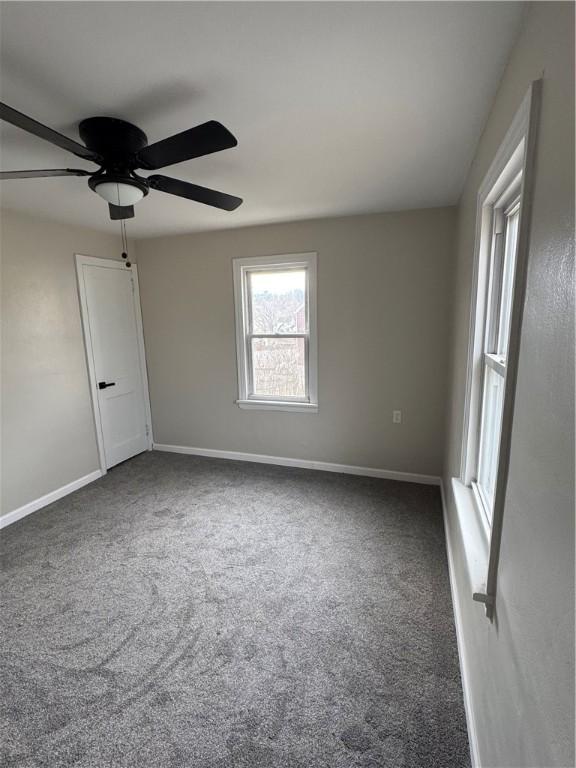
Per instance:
(462,653)
(325,466)
(33,506)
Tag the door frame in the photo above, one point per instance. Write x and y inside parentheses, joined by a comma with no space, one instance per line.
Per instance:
(94,261)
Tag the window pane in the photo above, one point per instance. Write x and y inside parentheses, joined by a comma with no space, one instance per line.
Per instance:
(278,367)
(492,401)
(278,301)
(507,282)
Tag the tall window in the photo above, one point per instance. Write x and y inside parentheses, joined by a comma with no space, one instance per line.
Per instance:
(497,302)
(276,332)
(500,283)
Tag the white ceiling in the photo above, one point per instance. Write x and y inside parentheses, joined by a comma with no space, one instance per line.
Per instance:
(338,108)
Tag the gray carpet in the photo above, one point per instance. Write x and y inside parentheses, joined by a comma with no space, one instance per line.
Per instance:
(210,614)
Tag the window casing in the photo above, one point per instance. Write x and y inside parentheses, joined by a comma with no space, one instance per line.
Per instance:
(497,302)
(275,303)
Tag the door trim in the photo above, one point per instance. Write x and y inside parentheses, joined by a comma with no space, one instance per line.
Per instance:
(94,261)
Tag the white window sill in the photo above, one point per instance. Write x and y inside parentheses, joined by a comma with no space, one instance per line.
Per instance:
(475,535)
(277,405)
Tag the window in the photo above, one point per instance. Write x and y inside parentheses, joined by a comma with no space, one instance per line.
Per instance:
(498,290)
(505,217)
(495,323)
(275,301)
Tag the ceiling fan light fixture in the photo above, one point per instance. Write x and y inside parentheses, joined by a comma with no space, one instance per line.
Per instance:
(118,193)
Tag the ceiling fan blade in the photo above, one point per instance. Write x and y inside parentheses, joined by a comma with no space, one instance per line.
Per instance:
(194,192)
(195,142)
(20,120)
(43,173)
(118,212)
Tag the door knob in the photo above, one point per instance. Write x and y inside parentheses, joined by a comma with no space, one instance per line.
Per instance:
(104,384)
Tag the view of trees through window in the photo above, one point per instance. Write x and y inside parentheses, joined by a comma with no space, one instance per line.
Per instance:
(278,306)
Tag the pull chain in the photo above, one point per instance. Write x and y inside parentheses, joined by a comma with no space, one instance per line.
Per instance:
(123,235)
(124,238)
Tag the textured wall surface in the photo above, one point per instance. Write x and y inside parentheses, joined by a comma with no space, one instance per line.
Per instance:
(48,437)
(522,666)
(383,314)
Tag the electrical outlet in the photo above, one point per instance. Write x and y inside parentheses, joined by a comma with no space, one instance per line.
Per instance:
(396,417)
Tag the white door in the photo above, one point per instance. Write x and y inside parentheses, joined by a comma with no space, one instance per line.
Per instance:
(115,349)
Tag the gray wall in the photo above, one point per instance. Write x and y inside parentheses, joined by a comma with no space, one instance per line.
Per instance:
(383,315)
(522,666)
(48,437)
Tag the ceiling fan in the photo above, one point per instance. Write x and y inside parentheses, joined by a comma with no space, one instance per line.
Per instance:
(119,148)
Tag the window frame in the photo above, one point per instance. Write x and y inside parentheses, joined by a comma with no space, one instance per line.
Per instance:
(242,269)
(492,356)
(513,163)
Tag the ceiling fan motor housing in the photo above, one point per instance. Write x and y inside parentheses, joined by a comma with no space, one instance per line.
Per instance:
(118,143)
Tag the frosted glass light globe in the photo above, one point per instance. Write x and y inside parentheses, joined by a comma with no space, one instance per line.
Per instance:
(119,194)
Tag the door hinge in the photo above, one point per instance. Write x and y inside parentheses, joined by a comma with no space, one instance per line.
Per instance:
(147,431)
(132,281)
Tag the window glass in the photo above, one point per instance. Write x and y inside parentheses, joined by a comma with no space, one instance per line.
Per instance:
(507,281)
(278,367)
(492,402)
(278,301)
